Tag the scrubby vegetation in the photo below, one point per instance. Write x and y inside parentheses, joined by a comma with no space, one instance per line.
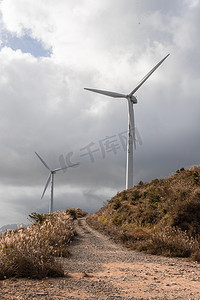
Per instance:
(76,212)
(161,217)
(33,251)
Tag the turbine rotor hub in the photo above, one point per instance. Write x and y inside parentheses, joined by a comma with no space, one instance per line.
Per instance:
(133,99)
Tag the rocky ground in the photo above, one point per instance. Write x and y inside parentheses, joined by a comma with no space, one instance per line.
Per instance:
(100,269)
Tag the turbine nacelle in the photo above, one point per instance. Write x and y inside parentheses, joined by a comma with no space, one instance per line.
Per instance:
(132,98)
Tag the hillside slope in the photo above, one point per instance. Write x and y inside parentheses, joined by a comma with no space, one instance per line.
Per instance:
(161,217)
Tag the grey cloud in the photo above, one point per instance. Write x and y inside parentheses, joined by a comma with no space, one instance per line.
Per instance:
(45,109)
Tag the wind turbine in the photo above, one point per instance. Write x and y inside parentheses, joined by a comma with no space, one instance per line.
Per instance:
(131,123)
(51,178)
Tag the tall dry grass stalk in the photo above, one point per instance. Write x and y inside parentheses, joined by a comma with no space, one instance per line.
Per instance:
(31,251)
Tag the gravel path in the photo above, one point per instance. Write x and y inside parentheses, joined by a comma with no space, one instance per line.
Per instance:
(100,269)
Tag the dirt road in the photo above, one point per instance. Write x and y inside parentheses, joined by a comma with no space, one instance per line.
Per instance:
(100,269)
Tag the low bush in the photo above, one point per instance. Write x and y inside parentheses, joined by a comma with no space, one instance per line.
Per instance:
(71,212)
(36,217)
(124,196)
(76,212)
(117,204)
(135,196)
(172,241)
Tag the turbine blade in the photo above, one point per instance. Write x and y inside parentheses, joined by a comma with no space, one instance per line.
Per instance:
(59,169)
(74,165)
(147,76)
(107,93)
(48,180)
(42,161)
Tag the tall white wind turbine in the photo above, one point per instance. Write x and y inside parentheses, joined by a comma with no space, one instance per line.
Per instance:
(131,123)
(51,178)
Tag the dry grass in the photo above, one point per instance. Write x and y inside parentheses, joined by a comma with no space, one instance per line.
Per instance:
(31,251)
(171,241)
(161,217)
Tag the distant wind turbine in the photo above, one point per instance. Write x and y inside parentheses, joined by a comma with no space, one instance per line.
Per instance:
(131,123)
(51,178)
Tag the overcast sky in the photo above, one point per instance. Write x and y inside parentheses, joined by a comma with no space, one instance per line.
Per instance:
(50,51)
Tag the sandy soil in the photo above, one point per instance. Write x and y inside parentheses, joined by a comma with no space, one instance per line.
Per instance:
(100,269)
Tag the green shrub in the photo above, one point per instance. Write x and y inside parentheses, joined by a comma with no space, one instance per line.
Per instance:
(124,195)
(116,220)
(186,215)
(155,181)
(144,194)
(181,170)
(196,177)
(141,183)
(75,212)
(72,213)
(135,196)
(38,218)
(153,197)
(117,204)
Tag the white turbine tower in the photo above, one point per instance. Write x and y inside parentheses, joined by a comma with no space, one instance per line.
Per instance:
(51,178)
(131,124)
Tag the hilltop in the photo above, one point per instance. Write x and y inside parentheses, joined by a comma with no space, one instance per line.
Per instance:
(160,217)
